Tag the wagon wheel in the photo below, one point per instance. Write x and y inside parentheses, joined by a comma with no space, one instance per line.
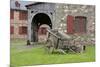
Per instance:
(76,48)
(50,46)
(73,48)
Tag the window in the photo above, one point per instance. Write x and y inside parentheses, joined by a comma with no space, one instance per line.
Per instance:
(11,29)
(76,24)
(23,30)
(11,14)
(80,24)
(23,15)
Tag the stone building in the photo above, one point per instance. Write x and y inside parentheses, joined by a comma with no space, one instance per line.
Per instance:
(30,22)
(68,18)
(18,20)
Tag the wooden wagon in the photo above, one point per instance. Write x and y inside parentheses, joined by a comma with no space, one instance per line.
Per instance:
(63,43)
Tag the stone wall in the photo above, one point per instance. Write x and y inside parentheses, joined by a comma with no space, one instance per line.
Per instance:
(62,10)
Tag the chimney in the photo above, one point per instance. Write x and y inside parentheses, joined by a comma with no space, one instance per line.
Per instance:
(17,4)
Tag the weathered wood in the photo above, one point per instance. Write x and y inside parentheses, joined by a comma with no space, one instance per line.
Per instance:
(64,42)
(52,33)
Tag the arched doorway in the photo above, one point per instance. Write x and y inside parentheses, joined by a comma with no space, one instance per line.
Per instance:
(38,20)
(42,33)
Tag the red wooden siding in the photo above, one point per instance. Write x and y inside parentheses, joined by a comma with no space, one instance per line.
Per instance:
(70,24)
(23,15)
(11,29)
(23,30)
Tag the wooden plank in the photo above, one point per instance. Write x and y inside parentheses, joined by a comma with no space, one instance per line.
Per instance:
(53,33)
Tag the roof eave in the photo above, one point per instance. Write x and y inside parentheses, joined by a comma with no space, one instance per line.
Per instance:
(36,3)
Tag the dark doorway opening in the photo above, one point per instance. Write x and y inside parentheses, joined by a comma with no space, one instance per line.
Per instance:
(38,20)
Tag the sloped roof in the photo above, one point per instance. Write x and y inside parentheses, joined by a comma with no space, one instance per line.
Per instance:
(22,4)
(35,3)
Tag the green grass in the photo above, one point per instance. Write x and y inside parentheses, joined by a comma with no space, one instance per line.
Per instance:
(22,55)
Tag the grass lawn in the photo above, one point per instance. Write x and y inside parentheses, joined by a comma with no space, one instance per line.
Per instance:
(22,55)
